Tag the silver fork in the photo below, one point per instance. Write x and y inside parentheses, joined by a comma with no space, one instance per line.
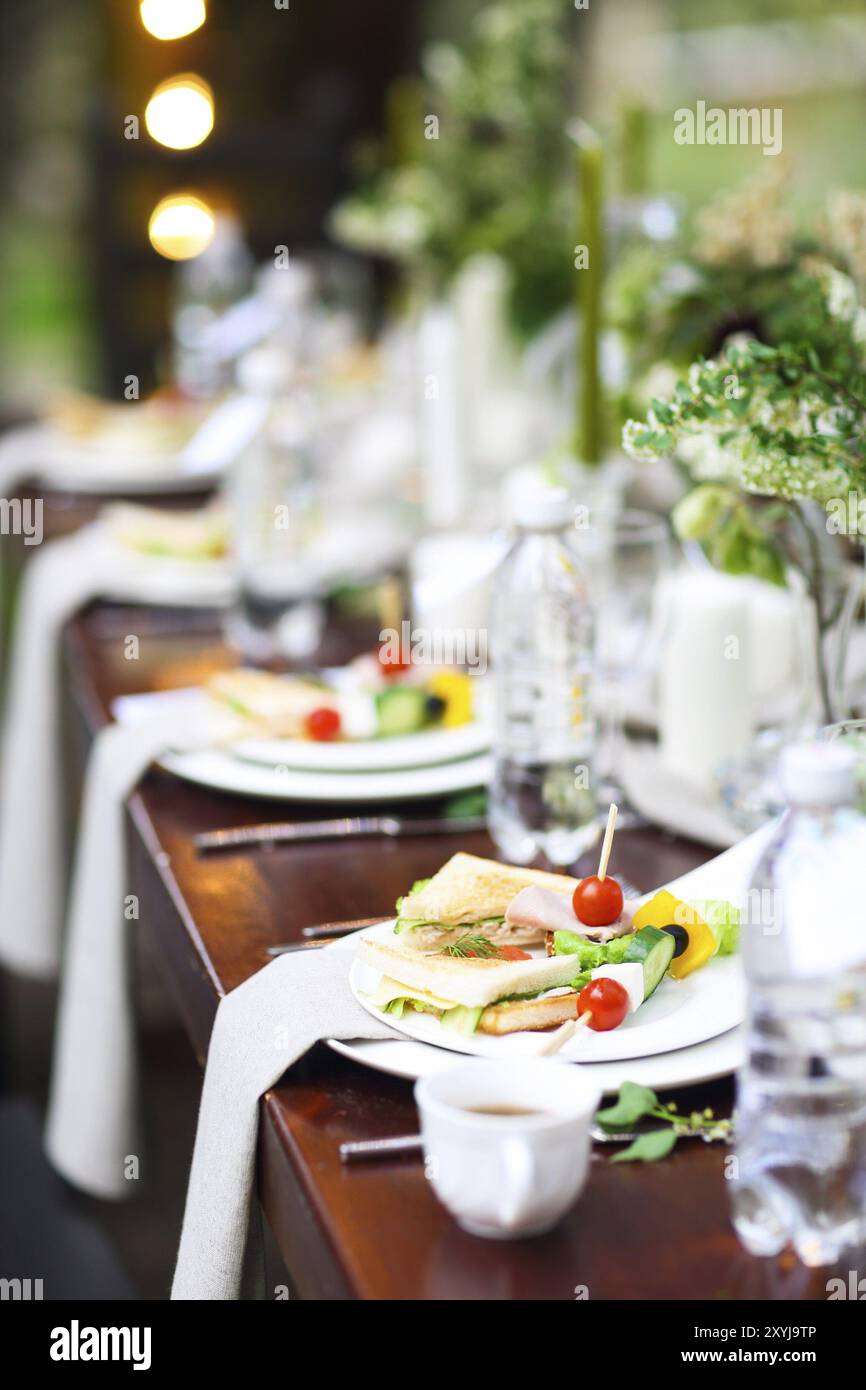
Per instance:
(629,891)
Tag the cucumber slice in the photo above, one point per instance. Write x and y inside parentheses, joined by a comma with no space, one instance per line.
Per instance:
(653,950)
(401,709)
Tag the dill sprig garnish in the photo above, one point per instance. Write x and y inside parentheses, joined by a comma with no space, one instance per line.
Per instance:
(470,944)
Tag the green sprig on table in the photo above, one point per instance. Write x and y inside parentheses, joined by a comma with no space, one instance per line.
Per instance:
(635,1103)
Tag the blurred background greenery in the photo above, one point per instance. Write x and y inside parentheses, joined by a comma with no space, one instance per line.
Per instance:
(302,95)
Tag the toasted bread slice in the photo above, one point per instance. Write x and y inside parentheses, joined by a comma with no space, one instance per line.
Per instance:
(529,1015)
(472,982)
(470,889)
(281,702)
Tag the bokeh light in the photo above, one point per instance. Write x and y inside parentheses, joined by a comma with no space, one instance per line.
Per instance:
(172,19)
(180,112)
(181,226)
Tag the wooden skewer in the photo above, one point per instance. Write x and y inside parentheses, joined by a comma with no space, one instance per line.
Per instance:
(607,846)
(563,1034)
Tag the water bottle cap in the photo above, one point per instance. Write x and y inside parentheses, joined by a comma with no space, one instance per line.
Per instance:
(821,774)
(537,504)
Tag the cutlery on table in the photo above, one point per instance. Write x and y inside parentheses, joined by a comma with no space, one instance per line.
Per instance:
(300,832)
(362,1150)
(324,934)
(332,929)
(287,947)
(629,891)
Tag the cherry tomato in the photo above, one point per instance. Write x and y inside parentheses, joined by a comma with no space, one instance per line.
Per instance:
(606,1000)
(392,663)
(597,901)
(513,953)
(323,724)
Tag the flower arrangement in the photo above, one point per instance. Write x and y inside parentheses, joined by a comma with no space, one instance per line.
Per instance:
(776,420)
(493,172)
(735,278)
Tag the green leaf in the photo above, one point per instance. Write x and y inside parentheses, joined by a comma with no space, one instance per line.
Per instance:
(698,514)
(648,1148)
(632,1103)
(767,562)
(662,412)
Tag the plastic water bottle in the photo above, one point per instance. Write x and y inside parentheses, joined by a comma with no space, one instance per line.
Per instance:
(800,1172)
(540,798)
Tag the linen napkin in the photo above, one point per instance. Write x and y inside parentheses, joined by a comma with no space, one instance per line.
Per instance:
(669,800)
(60,579)
(261,1029)
(92,1113)
(20,450)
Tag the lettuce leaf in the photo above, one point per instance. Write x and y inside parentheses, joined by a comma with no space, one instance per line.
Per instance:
(416,888)
(724,921)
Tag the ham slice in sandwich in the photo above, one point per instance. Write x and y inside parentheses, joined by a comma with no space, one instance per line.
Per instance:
(536,909)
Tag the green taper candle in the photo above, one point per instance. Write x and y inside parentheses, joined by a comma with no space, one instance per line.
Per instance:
(589,272)
(634,148)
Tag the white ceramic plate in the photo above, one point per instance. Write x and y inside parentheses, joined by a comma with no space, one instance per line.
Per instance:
(688,1066)
(36,451)
(225,773)
(726,876)
(424,749)
(669,800)
(220,769)
(679,1014)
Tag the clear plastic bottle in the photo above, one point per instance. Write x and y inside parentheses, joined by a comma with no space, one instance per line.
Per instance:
(800,1172)
(541,799)
(276,512)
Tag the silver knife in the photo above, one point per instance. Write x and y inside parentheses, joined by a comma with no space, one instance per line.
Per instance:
(299,832)
(324,934)
(362,1149)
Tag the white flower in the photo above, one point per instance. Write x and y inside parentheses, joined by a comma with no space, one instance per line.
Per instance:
(707,461)
(642,452)
(841,296)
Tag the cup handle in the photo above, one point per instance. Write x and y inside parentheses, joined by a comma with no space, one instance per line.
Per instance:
(519,1184)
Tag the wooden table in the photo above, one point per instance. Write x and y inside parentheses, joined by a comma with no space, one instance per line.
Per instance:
(376,1231)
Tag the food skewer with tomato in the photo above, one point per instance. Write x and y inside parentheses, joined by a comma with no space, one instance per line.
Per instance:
(598,900)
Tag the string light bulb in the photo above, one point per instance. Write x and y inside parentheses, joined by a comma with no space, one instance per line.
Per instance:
(180,112)
(181,226)
(172,19)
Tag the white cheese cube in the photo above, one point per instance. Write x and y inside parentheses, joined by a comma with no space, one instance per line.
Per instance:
(629,975)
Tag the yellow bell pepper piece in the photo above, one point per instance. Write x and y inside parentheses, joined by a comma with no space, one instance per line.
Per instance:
(664,910)
(455,689)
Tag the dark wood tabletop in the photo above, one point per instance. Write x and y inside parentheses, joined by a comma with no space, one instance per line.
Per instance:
(376,1231)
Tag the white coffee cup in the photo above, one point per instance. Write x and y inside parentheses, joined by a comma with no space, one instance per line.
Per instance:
(504,1174)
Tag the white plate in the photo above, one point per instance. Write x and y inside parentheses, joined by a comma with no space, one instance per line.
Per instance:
(726,876)
(423,749)
(220,769)
(228,774)
(671,801)
(37,452)
(689,1066)
(679,1014)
